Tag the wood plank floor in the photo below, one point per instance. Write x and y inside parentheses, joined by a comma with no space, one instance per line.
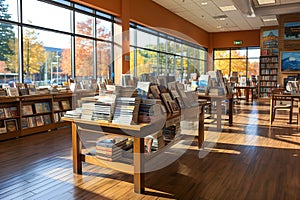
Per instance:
(250,160)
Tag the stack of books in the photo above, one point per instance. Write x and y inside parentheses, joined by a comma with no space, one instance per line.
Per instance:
(104,108)
(149,109)
(87,110)
(126,110)
(110,149)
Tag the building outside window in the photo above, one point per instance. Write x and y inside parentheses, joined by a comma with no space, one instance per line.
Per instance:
(245,61)
(76,42)
(157,53)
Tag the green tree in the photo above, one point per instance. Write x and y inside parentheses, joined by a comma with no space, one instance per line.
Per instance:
(6,32)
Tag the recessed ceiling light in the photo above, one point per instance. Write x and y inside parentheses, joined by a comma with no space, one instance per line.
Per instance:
(204,3)
(269,18)
(228,8)
(219,26)
(262,2)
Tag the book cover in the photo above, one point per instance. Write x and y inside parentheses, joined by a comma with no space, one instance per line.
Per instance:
(31,122)
(56,106)
(65,105)
(2,92)
(27,110)
(11,111)
(39,120)
(56,117)
(11,91)
(47,119)
(2,113)
(38,107)
(24,122)
(46,107)
(23,91)
(11,125)
(2,127)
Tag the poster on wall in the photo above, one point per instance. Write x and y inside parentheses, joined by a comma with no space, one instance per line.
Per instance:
(270,42)
(290,61)
(292,31)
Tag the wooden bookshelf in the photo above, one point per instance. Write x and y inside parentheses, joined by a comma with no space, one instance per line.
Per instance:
(268,75)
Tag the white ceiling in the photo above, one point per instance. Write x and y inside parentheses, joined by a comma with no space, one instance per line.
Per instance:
(248,16)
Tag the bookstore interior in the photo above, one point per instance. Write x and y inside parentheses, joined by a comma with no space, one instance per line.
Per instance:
(129,114)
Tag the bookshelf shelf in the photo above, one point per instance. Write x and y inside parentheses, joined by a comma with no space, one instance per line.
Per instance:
(268,75)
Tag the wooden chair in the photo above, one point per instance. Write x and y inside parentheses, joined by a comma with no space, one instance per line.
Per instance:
(279,101)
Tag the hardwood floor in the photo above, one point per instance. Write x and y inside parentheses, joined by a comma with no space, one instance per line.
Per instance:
(250,160)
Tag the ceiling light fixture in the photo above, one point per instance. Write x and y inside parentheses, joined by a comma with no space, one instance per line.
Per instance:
(263,2)
(204,3)
(228,8)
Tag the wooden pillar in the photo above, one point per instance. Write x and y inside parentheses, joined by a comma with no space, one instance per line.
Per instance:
(125,16)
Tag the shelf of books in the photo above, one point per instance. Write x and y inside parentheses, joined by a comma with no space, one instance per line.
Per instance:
(9,118)
(36,114)
(61,104)
(268,75)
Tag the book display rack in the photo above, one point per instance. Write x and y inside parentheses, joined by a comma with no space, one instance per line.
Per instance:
(29,114)
(268,75)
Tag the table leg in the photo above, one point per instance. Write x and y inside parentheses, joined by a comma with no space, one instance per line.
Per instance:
(298,120)
(247,94)
(230,112)
(138,162)
(219,113)
(201,127)
(76,143)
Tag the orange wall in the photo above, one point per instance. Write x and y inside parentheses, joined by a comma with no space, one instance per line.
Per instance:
(110,6)
(225,39)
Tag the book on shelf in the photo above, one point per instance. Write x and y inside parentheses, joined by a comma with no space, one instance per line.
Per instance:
(3,92)
(110,149)
(47,119)
(2,127)
(2,113)
(65,105)
(143,89)
(24,122)
(166,97)
(39,120)
(11,111)
(11,125)
(23,91)
(12,91)
(42,107)
(56,117)
(27,110)
(155,91)
(31,89)
(56,106)
(31,122)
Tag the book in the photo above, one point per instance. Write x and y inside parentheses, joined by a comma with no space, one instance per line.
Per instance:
(56,106)
(47,119)
(3,92)
(166,97)
(23,91)
(2,127)
(65,105)
(42,107)
(31,89)
(31,122)
(11,111)
(2,113)
(11,91)
(11,125)
(24,122)
(39,120)
(155,91)
(27,110)
(56,117)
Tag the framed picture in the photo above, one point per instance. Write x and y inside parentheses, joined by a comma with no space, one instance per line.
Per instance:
(290,61)
(292,31)
(11,125)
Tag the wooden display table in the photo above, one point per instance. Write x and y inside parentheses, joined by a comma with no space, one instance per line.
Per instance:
(218,100)
(247,90)
(137,132)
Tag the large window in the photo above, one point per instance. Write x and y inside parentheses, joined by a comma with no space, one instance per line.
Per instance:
(161,54)
(59,40)
(242,60)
